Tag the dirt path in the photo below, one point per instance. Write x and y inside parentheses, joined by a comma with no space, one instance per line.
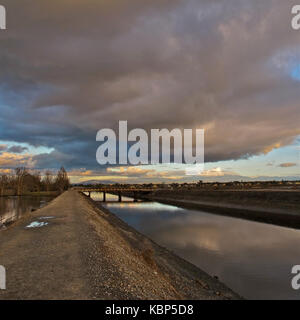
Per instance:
(82,252)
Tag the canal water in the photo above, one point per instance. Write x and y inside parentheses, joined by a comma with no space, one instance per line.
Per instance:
(253,259)
(13,208)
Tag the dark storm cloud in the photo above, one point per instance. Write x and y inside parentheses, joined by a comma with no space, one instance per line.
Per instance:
(70,68)
(17,149)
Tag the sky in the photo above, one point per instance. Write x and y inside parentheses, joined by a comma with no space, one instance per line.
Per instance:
(69,68)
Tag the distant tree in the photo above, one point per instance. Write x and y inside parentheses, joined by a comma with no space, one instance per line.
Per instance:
(24,180)
(37,181)
(20,174)
(32,182)
(3,183)
(48,180)
(62,181)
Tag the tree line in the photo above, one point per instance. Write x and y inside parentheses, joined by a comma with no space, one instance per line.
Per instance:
(23,181)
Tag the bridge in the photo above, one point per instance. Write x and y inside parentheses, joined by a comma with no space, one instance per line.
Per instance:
(135,193)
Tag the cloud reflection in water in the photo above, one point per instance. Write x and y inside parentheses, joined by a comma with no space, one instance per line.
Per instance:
(254,259)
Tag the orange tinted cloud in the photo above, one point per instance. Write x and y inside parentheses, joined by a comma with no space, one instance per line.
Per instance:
(216,172)
(6,171)
(288,165)
(81,173)
(15,160)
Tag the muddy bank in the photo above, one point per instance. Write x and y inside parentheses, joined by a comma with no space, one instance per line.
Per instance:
(280,208)
(72,249)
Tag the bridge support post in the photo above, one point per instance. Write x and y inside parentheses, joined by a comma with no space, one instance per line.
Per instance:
(120,197)
(104,196)
(135,197)
(89,194)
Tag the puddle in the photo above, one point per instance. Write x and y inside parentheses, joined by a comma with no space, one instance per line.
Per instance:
(2,226)
(36,224)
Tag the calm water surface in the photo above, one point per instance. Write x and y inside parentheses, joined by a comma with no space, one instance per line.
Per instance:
(253,259)
(13,208)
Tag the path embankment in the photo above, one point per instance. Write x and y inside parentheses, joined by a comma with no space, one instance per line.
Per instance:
(71,249)
(276,207)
